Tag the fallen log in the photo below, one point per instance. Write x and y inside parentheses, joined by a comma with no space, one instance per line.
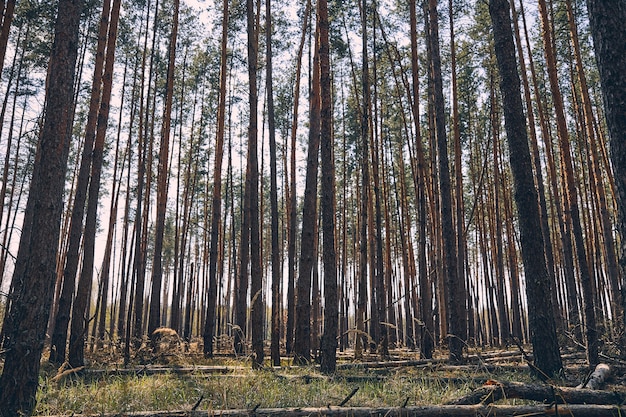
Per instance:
(493,391)
(598,377)
(418,411)
(159,370)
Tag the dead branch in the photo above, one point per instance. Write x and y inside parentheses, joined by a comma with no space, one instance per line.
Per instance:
(413,411)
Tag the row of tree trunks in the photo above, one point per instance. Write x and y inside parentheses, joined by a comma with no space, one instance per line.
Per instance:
(429,210)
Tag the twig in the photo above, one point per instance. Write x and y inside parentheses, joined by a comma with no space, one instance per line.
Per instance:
(341,404)
(197,404)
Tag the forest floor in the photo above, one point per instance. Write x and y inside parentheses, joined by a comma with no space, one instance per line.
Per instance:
(156,384)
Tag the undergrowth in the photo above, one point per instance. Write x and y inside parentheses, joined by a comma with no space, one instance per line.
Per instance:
(244,388)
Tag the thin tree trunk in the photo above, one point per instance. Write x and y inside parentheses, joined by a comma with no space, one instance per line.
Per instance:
(591,336)
(302,342)
(257,313)
(458,170)
(328,204)
(292,215)
(428,329)
(606,226)
(455,298)
(154,319)
(216,207)
(275,257)
(80,309)
(113,210)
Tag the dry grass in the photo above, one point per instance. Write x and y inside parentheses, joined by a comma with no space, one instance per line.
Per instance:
(246,389)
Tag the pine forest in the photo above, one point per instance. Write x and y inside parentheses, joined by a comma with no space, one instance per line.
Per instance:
(310,183)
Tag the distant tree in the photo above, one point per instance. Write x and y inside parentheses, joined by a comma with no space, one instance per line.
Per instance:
(542,323)
(35,271)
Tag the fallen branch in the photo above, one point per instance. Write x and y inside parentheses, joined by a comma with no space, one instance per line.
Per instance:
(494,391)
(159,370)
(598,377)
(423,411)
(345,401)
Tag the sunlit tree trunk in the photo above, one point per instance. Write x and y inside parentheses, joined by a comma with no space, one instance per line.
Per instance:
(591,337)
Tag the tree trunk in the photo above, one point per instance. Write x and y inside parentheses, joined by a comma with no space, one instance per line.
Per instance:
(302,343)
(257,313)
(606,19)
(154,319)
(455,298)
(428,329)
(80,310)
(62,319)
(545,227)
(292,215)
(541,318)
(216,207)
(7,17)
(28,314)
(591,336)
(275,257)
(328,204)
